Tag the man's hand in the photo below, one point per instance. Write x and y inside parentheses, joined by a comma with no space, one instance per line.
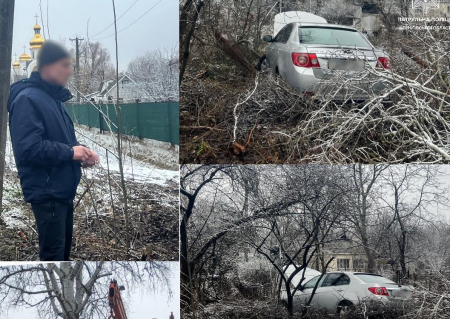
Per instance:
(81,153)
(92,160)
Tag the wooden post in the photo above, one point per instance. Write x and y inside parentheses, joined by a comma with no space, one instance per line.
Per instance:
(100,117)
(77,66)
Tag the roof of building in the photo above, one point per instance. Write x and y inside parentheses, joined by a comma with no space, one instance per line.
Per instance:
(107,85)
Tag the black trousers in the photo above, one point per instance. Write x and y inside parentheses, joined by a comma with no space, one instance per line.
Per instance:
(54,221)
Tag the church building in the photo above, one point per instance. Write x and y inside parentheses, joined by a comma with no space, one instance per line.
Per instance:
(27,63)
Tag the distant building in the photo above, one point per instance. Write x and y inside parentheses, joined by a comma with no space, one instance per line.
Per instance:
(431,8)
(129,92)
(347,253)
(350,259)
(444,8)
(27,63)
(366,17)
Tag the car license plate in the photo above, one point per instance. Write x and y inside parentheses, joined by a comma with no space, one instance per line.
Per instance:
(338,64)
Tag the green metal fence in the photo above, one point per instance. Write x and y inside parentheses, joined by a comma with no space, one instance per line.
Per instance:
(158,121)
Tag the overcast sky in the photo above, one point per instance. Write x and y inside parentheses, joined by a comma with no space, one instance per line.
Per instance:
(143,306)
(440,212)
(444,178)
(157,29)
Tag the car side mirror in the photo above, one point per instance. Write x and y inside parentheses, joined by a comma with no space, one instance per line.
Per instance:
(267,38)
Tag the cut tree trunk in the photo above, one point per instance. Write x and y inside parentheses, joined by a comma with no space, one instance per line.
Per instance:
(234,53)
(187,40)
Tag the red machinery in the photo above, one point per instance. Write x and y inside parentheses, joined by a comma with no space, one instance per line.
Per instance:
(115,301)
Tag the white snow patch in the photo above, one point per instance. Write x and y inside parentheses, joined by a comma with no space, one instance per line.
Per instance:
(148,156)
(144,169)
(12,217)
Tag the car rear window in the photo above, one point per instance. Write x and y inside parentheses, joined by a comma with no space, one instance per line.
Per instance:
(332,36)
(372,279)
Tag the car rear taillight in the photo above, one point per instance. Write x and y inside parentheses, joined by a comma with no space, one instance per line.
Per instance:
(305,60)
(385,63)
(380,291)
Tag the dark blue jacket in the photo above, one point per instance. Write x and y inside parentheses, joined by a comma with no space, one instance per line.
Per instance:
(42,136)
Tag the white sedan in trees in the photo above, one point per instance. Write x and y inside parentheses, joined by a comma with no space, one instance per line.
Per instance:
(310,56)
(342,291)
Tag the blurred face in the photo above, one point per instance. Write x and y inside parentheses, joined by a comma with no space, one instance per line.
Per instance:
(57,73)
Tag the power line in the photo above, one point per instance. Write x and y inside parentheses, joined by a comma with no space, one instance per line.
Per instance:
(131,23)
(117,19)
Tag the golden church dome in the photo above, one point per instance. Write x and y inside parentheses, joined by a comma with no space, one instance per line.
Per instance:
(24,57)
(37,40)
(16,64)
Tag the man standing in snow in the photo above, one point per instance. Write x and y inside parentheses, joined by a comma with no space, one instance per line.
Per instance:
(47,153)
(171,315)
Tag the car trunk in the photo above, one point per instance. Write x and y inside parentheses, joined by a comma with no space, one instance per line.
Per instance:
(342,72)
(398,291)
(342,59)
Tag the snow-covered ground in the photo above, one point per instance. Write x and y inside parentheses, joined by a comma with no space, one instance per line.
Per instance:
(145,161)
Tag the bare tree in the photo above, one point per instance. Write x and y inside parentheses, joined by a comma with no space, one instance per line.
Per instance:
(95,66)
(305,228)
(292,208)
(156,74)
(119,138)
(413,191)
(73,290)
(202,175)
(366,180)
(186,36)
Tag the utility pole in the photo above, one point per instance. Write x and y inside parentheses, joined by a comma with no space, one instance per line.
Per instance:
(281,5)
(15,70)
(77,66)
(6,35)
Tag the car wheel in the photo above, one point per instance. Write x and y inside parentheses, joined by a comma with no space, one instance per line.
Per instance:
(344,308)
(262,64)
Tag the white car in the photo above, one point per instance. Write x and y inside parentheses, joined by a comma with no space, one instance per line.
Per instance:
(339,291)
(315,57)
